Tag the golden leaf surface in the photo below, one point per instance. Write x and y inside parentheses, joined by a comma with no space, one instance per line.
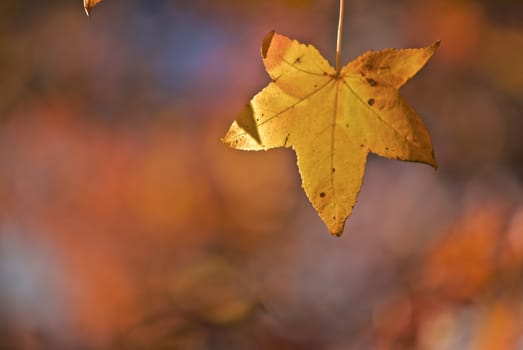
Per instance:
(89,4)
(333,121)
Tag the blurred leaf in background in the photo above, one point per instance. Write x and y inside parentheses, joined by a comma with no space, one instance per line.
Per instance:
(89,4)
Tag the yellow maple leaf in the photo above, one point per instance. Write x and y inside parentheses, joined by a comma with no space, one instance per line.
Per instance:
(89,4)
(333,120)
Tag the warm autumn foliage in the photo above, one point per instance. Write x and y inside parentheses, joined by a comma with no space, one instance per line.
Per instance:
(89,4)
(333,120)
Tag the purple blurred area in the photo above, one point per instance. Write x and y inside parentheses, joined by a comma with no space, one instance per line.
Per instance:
(126,224)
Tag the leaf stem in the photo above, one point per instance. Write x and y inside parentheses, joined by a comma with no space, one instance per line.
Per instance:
(340,37)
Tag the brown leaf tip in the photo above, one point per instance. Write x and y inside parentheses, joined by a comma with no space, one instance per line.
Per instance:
(435,165)
(435,45)
(337,234)
(267,43)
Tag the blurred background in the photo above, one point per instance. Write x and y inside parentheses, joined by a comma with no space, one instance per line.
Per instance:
(126,224)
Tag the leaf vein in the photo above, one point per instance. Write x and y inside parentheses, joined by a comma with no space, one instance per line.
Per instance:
(377,115)
(309,95)
(301,69)
(333,135)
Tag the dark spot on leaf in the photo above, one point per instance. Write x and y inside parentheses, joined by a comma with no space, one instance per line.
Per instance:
(386,148)
(333,218)
(347,125)
(324,73)
(371,82)
(315,85)
(322,194)
(361,145)
(333,170)
(371,102)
